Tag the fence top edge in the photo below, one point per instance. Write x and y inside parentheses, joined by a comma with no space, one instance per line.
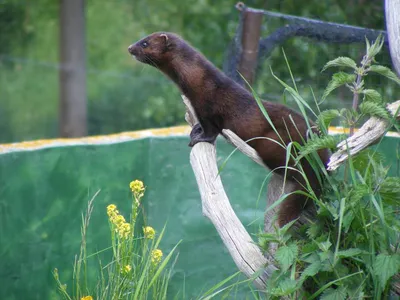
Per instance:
(121,138)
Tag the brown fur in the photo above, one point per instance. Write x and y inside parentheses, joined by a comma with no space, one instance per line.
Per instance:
(221,103)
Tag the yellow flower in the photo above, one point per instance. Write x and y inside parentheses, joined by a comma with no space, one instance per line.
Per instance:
(118,220)
(137,187)
(156,256)
(87,298)
(112,210)
(126,269)
(124,230)
(111,207)
(149,232)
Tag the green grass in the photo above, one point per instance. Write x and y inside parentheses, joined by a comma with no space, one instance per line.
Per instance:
(137,268)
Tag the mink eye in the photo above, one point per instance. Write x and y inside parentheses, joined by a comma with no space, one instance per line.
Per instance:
(144,44)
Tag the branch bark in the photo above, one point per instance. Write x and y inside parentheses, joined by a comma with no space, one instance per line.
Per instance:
(216,207)
(367,135)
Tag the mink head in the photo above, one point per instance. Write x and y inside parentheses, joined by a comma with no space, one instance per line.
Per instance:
(155,49)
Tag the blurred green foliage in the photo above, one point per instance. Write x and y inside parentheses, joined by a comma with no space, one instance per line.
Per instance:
(126,95)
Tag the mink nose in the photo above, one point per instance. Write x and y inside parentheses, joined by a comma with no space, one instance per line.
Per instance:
(131,49)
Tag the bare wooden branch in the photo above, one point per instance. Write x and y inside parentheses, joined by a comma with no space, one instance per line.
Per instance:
(368,134)
(242,146)
(216,207)
(392,14)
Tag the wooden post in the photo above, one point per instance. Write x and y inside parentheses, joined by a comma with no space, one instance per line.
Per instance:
(73,104)
(251,32)
(392,14)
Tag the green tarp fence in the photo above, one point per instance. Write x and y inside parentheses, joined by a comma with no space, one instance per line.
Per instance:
(45,187)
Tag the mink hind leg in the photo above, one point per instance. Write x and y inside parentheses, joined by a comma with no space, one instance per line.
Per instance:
(292,207)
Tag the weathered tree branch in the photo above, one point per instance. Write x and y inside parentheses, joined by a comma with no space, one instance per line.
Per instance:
(368,134)
(392,13)
(216,207)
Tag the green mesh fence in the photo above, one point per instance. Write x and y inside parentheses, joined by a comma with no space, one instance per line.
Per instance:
(44,192)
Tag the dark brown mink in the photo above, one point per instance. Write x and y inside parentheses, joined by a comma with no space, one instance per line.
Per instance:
(220,102)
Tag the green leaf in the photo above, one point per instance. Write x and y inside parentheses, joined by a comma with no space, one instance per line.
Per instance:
(390,184)
(372,95)
(341,61)
(284,229)
(286,255)
(390,190)
(313,230)
(324,246)
(365,158)
(384,71)
(347,220)
(349,252)
(317,143)
(385,266)
(356,193)
(308,248)
(285,287)
(311,270)
(334,294)
(338,79)
(376,47)
(326,117)
(374,109)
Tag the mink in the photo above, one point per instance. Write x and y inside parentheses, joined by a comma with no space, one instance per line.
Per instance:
(221,103)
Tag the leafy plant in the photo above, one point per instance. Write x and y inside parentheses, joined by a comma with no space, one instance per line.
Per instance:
(137,269)
(351,248)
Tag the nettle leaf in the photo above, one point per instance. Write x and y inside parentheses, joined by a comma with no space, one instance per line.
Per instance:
(338,79)
(349,252)
(385,266)
(284,229)
(327,261)
(268,237)
(309,258)
(374,109)
(313,230)
(390,184)
(285,287)
(286,255)
(390,190)
(311,270)
(384,71)
(334,294)
(341,61)
(356,193)
(372,95)
(326,117)
(317,143)
(324,246)
(376,47)
(365,157)
(327,209)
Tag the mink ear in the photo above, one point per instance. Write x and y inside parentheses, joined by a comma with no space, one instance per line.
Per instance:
(165,37)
